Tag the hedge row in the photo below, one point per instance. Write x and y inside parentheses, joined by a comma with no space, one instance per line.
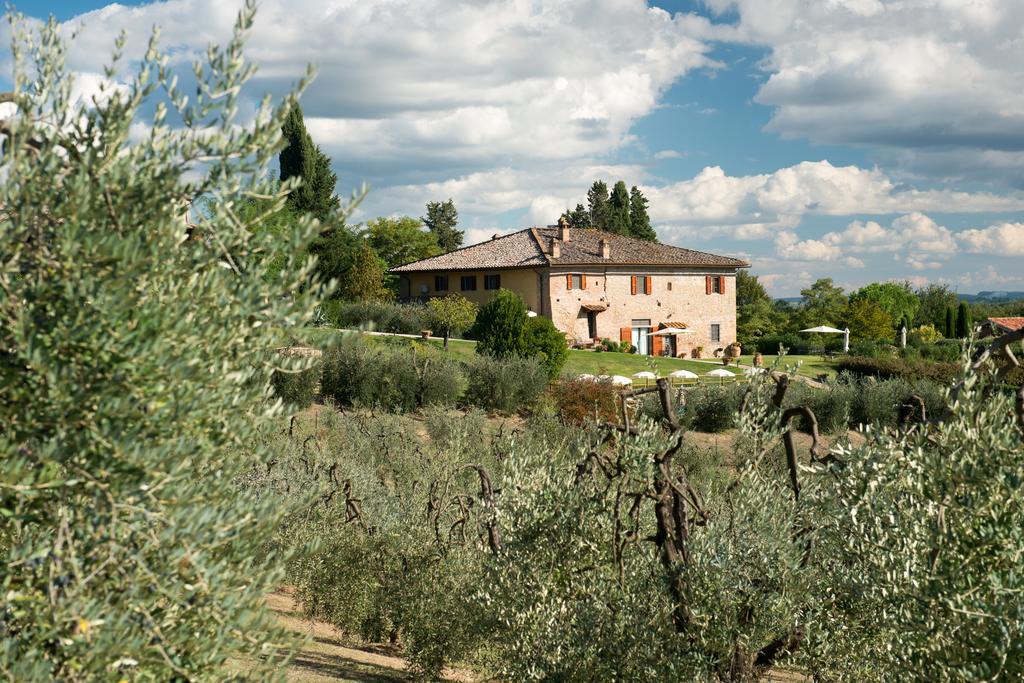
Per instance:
(403,378)
(380,316)
(898,368)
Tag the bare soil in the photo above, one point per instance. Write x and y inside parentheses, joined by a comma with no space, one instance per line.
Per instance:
(332,656)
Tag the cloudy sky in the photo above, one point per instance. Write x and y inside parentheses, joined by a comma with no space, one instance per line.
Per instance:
(861,140)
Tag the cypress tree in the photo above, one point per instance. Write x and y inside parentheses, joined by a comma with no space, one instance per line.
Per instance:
(618,210)
(597,201)
(301,158)
(639,221)
(964,324)
(950,325)
(578,217)
(441,220)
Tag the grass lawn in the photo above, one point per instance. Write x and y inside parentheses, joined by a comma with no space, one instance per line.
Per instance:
(810,366)
(604,363)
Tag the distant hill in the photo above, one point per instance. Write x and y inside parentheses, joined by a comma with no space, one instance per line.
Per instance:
(992,296)
(988,297)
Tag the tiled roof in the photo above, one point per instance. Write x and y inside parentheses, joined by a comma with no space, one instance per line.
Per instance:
(532,247)
(516,250)
(585,247)
(1009,324)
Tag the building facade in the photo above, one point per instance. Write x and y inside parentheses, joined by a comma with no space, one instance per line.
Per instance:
(664,300)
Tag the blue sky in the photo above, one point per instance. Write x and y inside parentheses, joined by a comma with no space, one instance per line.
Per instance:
(861,140)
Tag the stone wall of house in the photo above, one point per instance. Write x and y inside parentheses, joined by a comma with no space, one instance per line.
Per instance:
(524,281)
(677,295)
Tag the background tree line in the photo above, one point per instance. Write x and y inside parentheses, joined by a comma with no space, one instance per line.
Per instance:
(875,312)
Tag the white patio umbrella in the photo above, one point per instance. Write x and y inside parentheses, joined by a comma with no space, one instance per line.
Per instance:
(621,381)
(721,372)
(646,375)
(684,374)
(825,329)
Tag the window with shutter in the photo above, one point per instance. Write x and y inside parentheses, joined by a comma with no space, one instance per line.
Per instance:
(632,284)
(707,283)
(716,284)
(721,284)
(647,284)
(568,281)
(583,281)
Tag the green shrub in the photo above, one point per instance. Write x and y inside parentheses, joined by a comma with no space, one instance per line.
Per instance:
(500,326)
(797,345)
(831,406)
(922,535)
(875,402)
(381,316)
(397,378)
(505,385)
(132,377)
(296,387)
(547,343)
(888,368)
(713,408)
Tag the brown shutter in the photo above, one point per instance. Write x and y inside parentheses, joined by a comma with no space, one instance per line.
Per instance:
(657,345)
(583,281)
(632,284)
(568,281)
(721,284)
(625,334)
(647,285)
(707,283)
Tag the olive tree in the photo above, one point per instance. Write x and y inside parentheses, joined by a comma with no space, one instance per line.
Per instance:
(135,357)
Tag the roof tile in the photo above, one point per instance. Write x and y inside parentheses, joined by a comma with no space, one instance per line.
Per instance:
(532,247)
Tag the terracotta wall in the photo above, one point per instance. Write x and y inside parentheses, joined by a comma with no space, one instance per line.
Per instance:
(677,295)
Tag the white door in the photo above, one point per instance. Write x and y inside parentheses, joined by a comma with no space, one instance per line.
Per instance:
(641,328)
(641,341)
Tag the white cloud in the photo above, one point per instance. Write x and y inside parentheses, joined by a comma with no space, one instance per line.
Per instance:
(761,205)
(468,85)
(926,77)
(669,154)
(1002,239)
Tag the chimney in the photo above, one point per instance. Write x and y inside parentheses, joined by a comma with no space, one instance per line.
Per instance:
(606,249)
(556,249)
(563,229)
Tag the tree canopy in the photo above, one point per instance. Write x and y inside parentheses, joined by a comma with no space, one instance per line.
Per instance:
(401,240)
(823,303)
(441,220)
(896,299)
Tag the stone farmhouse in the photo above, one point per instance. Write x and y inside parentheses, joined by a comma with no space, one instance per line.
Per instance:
(595,285)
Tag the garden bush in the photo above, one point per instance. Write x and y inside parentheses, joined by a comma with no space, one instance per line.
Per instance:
(888,368)
(876,402)
(397,378)
(380,316)
(546,342)
(831,405)
(797,344)
(297,387)
(579,401)
(713,408)
(504,385)
(132,379)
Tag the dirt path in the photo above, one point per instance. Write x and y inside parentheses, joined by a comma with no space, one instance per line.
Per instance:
(331,656)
